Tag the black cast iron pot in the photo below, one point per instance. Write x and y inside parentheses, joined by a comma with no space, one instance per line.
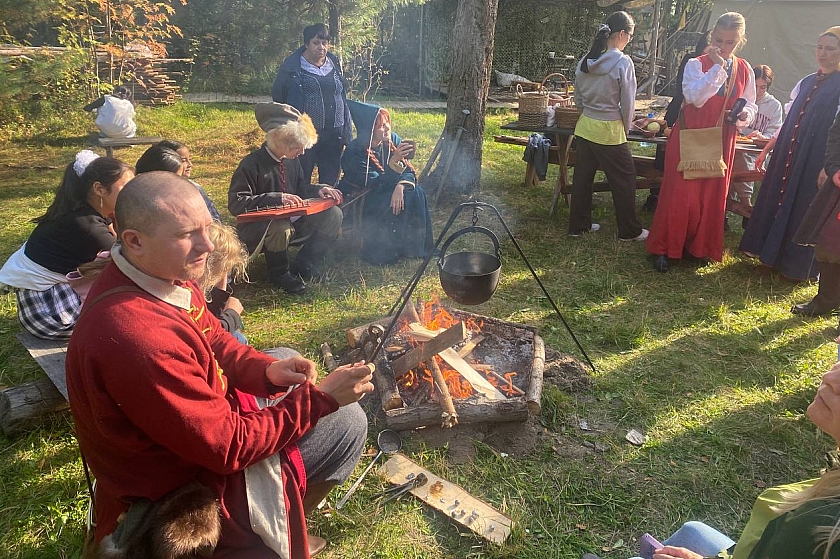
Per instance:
(470,278)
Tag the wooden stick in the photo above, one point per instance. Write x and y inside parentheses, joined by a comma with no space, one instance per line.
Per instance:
(354,335)
(410,311)
(449,418)
(535,386)
(445,339)
(386,387)
(470,346)
(504,381)
(329,359)
(477,381)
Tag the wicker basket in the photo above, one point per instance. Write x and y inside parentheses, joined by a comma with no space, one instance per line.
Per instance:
(566,114)
(533,107)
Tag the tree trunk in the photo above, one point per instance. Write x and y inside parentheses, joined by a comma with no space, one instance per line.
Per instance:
(472,61)
(335,27)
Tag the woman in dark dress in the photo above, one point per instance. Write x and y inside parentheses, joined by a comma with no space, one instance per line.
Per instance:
(395,216)
(798,157)
(310,80)
(74,229)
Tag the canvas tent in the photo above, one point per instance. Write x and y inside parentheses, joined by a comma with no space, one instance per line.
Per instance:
(782,34)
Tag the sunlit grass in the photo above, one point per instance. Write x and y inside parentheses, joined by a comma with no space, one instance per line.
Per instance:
(707,362)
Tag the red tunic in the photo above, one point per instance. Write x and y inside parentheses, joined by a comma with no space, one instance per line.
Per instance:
(152,393)
(690,213)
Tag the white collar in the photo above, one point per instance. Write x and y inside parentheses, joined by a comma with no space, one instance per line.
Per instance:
(175,295)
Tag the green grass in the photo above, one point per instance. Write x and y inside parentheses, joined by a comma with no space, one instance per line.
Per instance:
(709,363)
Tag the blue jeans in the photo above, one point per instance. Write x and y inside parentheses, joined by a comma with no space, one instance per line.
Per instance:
(699,538)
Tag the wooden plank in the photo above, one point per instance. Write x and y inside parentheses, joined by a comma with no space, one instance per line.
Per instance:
(477,381)
(50,355)
(472,376)
(123,142)
(26,406)
(441,495)
(470,346)
(448,338)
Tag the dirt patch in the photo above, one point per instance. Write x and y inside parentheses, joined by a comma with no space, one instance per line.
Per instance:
(566,372)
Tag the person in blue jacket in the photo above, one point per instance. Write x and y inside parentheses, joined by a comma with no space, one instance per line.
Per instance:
(395,216)
(310,80)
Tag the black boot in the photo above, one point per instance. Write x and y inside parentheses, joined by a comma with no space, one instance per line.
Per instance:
(309,263)
(660,263)
(828,293)
(279,275)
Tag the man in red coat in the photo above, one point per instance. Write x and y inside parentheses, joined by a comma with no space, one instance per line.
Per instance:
(177,420)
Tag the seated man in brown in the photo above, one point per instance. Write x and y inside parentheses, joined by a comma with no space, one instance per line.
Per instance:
(273,176)
(178,421)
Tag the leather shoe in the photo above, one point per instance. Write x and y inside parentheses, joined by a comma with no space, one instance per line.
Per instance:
(317,544)
(660,263)
(811,309)
(291,284)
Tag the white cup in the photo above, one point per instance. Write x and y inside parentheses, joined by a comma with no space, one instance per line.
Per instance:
(551,54)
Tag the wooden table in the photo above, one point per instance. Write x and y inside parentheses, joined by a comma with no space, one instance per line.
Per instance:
(562,154)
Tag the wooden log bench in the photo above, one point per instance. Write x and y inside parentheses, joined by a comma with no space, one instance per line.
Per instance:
(28,405)
(110,143)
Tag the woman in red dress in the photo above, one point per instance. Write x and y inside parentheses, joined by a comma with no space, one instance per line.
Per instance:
(689,217)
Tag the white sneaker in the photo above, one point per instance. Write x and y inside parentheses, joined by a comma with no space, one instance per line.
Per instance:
(592,228)
(642,236)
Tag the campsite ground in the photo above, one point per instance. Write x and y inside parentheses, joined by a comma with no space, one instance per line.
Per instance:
(707,362)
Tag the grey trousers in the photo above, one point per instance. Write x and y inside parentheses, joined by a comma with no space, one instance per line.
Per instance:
(617,164)
(331,450)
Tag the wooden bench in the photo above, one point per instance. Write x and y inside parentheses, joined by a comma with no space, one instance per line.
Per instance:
(30,404)
(110,143)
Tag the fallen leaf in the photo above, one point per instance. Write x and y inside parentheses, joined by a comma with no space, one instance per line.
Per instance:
(635,437)
(580,526)
(704,458)
(760,484)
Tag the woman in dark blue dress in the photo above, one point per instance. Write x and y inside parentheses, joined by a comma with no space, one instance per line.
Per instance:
(798,157)
(395,216)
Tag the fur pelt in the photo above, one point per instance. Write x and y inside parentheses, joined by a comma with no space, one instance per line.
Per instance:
(183,524)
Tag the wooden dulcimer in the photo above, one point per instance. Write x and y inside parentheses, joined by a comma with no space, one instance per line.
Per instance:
(264,213)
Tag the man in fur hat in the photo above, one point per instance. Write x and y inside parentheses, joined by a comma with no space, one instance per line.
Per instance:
(196,440)
(273,176)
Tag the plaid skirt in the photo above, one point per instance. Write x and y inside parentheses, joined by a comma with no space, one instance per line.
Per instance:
(49,314)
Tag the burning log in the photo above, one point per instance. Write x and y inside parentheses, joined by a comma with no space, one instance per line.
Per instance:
(478,382)
(329,360)
(448,415)
(386,387)
(355,336)
(504,382)
(440,342)
(410,312)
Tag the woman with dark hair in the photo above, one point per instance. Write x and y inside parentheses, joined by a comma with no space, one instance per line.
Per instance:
(605,88)
(395,216)
(767,121)
(184,153)
(690,215)
(74,229)
(310,80)
(790,184)
(160,158)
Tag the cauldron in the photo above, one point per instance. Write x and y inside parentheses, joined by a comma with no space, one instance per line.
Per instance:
(470,278)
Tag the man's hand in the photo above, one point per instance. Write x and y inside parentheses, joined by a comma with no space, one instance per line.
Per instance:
(348,383)
(330,192)
(291,200)
(291,371)
(759,161)
(671,552)
(235,305)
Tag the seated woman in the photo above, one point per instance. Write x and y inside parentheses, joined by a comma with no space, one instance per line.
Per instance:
(395,217)
(115,114)
(225,265)
(796,521)
(73,230)
(160,158)
(184,153)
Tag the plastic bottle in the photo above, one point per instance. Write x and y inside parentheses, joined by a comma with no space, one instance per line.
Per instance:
(647,144)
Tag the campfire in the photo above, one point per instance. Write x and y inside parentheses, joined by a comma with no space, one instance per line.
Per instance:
(445,367)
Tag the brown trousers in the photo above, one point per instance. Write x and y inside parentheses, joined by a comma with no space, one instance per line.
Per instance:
(617,164)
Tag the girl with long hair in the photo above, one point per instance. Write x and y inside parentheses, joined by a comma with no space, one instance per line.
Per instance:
(73,230)
(605,88)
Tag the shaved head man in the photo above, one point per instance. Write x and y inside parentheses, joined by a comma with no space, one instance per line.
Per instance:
(173,414)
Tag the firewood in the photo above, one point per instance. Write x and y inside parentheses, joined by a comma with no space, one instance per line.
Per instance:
(470,346)
(473,410)
(445,339)
(449,418)
(386,387)
(477,381)
(355,334)
(535,386)
(410,312)
(329,359)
